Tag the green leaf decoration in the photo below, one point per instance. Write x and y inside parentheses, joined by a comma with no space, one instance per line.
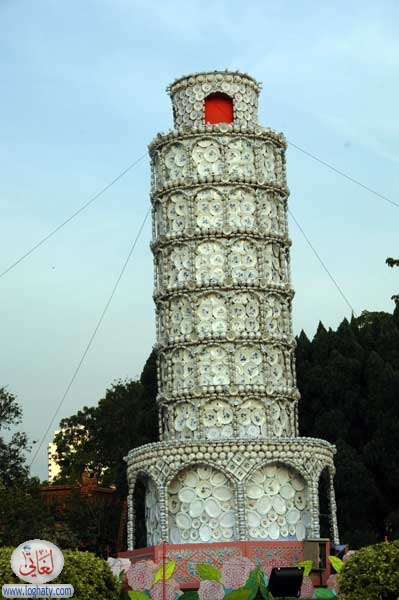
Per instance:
(307,566)
(189,596)
(169,570)
(135,595)
(324,593)
(252,582)
(207,571)
(336,562)
(240,594)
(253,591)
(266,595)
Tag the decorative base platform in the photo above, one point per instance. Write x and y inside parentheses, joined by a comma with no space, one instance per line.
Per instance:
(266,555)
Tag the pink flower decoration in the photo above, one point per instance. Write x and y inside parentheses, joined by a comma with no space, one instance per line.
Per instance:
(171,590)
(141,575)
(332,583)
(210,590)
(235,572)
(307,589)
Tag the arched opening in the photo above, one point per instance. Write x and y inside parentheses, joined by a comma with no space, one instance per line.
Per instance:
(219,109)
(140,529)
(324,504)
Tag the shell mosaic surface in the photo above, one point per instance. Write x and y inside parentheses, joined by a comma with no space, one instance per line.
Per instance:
(188,95)
(230,465)
(270,487)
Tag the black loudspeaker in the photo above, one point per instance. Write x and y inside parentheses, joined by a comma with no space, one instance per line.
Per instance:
(286,581)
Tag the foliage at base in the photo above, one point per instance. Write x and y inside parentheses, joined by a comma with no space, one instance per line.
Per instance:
(372,573)
(89,575)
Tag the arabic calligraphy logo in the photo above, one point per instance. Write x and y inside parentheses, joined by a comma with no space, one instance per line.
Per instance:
(37,561)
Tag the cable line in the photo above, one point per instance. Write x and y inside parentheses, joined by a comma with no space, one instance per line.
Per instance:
(75,214)
(352,179)
(93,335)
(322,262)
(104,189)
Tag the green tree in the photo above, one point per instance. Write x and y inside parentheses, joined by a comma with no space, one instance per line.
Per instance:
(22,514)
(102,435)
(349,384)
(12,452)
(393,262)
(97,439)
(89,523)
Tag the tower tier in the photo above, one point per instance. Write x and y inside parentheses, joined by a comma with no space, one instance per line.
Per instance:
(236,490)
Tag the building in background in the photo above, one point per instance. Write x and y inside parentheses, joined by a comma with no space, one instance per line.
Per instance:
(54,468)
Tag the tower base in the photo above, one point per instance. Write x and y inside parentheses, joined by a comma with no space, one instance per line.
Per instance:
(266,555)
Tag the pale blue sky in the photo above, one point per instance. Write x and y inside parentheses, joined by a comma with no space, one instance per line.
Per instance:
(83,93)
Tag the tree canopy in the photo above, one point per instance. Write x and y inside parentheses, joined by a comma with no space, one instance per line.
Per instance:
(349,383)
(22,514)
(12,452)
(393,262)
(98,438)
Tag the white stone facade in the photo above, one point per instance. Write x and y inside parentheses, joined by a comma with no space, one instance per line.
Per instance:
(230,465)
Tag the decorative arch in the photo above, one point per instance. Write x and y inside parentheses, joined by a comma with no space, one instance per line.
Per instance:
(248,368)
(277,502)
(210,263)
(183,420)
(240,159)
(211,317)
(243,259)
(208,209)
(163,371)
(152,513)
(176,160)
(213,366)
(179,266)
(241,208)
(207,158)
(217,420)
(181,316)
(252,419)
(158,219)
(177,210)
(245,313)
(198,463)
(201,504)
(159,258)
(183,369)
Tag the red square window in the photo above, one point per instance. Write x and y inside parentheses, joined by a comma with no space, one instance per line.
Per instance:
(218,109)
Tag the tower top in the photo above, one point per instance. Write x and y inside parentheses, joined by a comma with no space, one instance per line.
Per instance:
(205,98)
(213,77)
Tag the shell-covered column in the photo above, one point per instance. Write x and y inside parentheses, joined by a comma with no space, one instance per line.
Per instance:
(226,372)
(221,253)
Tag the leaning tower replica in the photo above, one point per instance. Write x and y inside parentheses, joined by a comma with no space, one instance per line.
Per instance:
(230,465)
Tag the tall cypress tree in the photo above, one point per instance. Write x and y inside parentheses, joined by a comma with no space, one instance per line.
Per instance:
(349,383)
